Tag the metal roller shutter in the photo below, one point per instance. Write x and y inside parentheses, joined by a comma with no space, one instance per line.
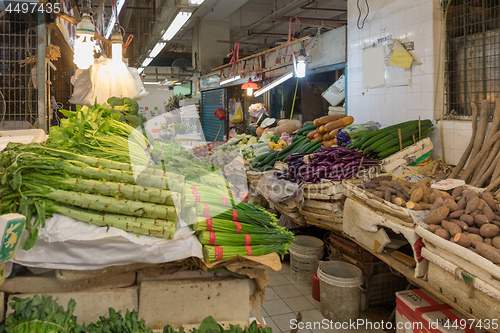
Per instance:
(210,101)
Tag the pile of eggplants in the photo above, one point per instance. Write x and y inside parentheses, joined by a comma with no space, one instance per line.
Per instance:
(332,163)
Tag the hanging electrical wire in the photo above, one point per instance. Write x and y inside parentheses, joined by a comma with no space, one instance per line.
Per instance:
(360,13)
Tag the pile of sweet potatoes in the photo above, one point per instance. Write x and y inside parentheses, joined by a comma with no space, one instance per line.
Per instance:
(467,218)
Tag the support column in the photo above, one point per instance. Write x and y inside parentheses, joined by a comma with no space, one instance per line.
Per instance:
(42,72)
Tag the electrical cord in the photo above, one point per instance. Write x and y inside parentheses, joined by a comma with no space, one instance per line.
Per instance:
(359,17)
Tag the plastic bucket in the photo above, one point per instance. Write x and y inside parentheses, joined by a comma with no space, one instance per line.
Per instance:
(305,253)
(315,289)
(340,290)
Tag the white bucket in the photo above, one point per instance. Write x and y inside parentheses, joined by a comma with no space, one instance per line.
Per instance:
(305,253)
(340,290)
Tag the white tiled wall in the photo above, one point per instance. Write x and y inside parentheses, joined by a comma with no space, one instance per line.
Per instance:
(154,103)
(407,21)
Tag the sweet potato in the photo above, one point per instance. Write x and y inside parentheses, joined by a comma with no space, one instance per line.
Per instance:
(433,227)
(488,197)
(386,188)
(472,205)
(461,203)
(473,230)
(387,183)
(488,212)
(489,230)
(437,215)
(496,242)
(427,194)
(462,240)
(475,238)
(467,219)
(456,214)
(457,191)
(451,204)
(487,241)
(469,194)
(402,195)
(476,212)
(417,195)
(423,182)
(451,227)
(461,224)
(438,202)
(489,252)
(481,220)
(481,204)
(418,206)
(442,233)
(434,196)
(387,195)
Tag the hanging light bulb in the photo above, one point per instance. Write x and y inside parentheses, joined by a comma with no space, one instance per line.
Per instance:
(300,70)
(116,45)
(250,86)
(84,43)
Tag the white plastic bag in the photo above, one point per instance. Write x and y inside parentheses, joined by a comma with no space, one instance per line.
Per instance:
(103,80)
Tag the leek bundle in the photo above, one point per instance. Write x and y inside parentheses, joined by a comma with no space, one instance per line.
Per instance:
(225,238)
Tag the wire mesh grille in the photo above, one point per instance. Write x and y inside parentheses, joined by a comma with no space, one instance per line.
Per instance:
(18,48)
(473,55)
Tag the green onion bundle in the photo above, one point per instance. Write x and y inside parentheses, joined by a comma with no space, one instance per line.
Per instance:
(242,212)
(225,238)
(220,225)
(217,253)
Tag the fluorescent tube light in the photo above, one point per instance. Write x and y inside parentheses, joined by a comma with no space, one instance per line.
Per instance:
(196,2)
(176,25)
(146,62)
(157,49)
(273,84)
(149,82)
(231,79)
(300,69)
(112,20)
(140,70)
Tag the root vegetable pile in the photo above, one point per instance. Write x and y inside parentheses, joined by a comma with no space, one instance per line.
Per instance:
(468,218)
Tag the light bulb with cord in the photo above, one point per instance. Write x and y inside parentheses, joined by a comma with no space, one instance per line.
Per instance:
(84,42)
(116,45)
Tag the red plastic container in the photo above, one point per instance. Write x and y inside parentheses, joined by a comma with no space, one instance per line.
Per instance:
(219,113)
(315,286)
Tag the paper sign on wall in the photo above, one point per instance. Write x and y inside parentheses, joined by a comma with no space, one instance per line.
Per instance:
(373,67)
(400,57)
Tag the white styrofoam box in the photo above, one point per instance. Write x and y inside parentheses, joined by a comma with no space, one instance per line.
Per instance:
(21,136)
(335,94)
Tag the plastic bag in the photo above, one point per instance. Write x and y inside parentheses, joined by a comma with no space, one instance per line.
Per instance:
(238,115)
(103,80)
(348,133)
(256,110)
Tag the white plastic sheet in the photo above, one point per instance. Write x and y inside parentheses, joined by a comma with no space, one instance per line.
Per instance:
(65,243)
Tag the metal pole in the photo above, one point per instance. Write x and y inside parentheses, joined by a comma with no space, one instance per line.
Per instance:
(41,71)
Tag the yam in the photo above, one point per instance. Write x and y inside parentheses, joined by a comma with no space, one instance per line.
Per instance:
(457,191)
(487,241)
(481,204)
(475,238)
(474,213)
(399,201)
(489,230)
(462,203)
(437,215)
(451,227)
(460,223)
(427,194)
(489,252)
(488,197)
(467,219)
(387,195)
(433,227)
(423,182)
(438,202)
(387,183)
(386,188)
(451,204)
(434,196)
(418,206)
(462,240)
(417,195)
(442,233)
(469,194)
(456,214)
(488,212)
(473,230)
(496,242)
(481,220)
(472,205)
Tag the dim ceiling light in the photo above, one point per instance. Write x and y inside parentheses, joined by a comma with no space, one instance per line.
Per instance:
(176,25)
(84,43)
(273,84)
(250,86)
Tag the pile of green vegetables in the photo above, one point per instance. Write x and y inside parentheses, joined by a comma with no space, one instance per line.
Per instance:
(128,109)
(383,143)
(210,325)
(115,322)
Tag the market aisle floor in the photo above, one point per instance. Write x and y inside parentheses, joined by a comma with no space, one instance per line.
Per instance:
(284,299)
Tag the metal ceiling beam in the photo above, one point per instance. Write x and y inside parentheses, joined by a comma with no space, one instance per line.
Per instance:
(330,23)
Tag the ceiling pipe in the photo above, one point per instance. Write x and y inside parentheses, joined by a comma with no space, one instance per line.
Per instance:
(251,32)
(318,8)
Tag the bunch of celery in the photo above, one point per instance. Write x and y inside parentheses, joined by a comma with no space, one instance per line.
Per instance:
(39,315)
